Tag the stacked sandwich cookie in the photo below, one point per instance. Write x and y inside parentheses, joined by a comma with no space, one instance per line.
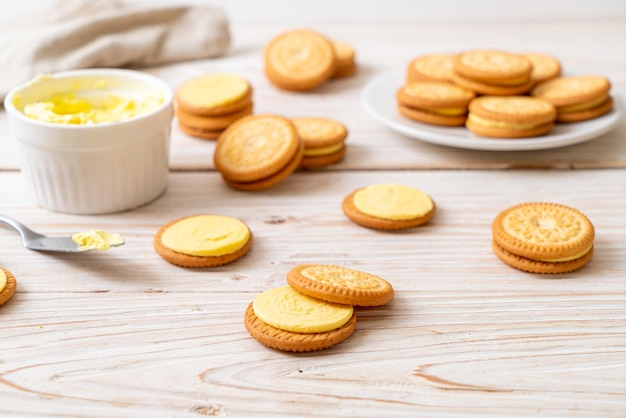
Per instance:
(576,98)
(207,105)
(323,140)
(546,238)
(388,207)
(303,59)
(495,73)
(545,67)
(316,310)
(434,102)
(258,152)
(345,61)
(435,67)
(202,241)
(510,117)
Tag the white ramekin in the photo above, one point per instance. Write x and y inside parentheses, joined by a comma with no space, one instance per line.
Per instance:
(93,169)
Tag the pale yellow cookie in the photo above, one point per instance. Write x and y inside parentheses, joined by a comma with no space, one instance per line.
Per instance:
(207,94)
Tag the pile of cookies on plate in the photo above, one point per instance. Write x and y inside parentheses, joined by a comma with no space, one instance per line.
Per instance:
(499,94)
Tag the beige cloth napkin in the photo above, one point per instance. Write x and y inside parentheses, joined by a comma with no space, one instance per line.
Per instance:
(108,33)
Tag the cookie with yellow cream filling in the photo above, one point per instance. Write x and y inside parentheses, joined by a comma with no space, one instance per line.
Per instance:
(258,151)
(545,67)
(202,241)
(323,141)
(299,60)
(510,117)
(435,67)
(576,98)
(388,207)
(339,284)
(543,237)
(496,73)
(345,62)
(7,285)
(434,102)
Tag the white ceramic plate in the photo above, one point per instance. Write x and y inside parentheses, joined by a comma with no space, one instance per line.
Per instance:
(379,100)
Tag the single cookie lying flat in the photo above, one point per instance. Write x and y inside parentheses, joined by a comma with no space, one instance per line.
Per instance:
(340,285)
(202,241)
(388,207)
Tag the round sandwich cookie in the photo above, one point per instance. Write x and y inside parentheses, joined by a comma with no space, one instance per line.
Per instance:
(434,102)
(271,180)
(545,67)
(299,60)
(199,132)
(510,117)
(323,141)
(542,237)
(213,123)
(495,73)
(214,95)
(340,285)
(202,241)
(345,63)
(576,98)
(257,148)
(388,207)
(436,67)
(7,285)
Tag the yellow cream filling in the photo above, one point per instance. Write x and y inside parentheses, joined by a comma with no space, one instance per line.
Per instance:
(392,201)
(206,235)
(446,111)
(93,104)
(97,240)
(3,280)
(573,257)
(499,124)
(313,152)
(582,106)
(287,309)
(214,90)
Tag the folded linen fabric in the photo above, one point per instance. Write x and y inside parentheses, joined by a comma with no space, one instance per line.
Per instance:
(75,34)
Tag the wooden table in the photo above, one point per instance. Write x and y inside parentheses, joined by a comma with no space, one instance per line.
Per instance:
(125,334)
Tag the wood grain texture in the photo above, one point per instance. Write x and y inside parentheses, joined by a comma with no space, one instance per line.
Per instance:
(125,334)
(593,47)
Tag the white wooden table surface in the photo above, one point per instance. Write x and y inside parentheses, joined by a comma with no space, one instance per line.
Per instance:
(125,334)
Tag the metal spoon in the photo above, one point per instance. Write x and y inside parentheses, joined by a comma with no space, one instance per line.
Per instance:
(35,241)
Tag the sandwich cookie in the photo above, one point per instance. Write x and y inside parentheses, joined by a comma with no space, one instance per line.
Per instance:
(7,285)
(545,67)
(545,238)
(299,60)
(345,62)
(434,102)
(202,241)
(493,73)
(388,207)
(576,98)
(323,141)
(510,117)
(437,67)
(258,152)
(207,105)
